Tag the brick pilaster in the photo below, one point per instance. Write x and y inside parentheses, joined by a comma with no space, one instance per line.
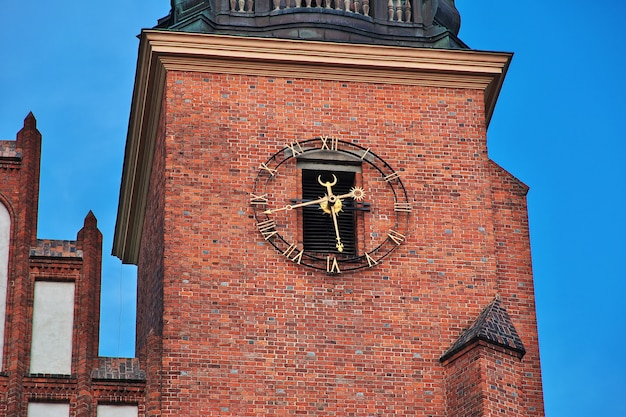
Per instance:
(87,321)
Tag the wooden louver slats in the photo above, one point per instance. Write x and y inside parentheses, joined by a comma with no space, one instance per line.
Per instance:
(318,228)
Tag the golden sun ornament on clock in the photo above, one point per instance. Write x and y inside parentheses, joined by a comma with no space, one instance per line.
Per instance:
(330,204)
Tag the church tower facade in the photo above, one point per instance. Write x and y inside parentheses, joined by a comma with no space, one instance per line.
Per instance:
(317,225)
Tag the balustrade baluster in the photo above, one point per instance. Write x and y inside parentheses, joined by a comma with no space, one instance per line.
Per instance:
(397,10)
(408,13)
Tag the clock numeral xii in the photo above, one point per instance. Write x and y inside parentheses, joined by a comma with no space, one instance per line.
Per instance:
(330,143)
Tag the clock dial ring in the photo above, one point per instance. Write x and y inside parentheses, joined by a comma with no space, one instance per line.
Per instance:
(377,246)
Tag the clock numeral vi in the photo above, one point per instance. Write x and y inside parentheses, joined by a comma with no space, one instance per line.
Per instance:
(267,228)
(332,266)
(396,237)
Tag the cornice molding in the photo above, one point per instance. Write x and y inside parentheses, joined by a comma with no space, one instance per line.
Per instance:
(162,51)
(280,57)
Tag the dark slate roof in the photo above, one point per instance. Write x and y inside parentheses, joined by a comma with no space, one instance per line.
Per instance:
(119,369)
(56,248)
(493,326)
(8,149)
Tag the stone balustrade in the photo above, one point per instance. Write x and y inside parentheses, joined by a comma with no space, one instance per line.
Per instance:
(397,10)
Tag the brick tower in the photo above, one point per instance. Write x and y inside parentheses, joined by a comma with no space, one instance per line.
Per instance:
(317,225)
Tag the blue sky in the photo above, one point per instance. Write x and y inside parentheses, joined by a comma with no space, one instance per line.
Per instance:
(558,126)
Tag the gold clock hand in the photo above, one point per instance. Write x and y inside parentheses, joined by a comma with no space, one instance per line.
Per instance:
(329,186)
(339,245)
(293,206)
(356,193)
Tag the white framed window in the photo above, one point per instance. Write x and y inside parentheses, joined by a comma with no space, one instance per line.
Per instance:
(117,411)
(5,240)
(53,322)
(48,409)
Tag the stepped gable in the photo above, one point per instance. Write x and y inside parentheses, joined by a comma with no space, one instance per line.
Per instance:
(493,326)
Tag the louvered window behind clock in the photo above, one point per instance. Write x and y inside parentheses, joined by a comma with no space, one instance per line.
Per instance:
(318,229)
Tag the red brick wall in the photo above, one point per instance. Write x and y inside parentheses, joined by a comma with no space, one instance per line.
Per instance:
(503,388)
(150,286)
(150,266)
(515,279)
(246,332)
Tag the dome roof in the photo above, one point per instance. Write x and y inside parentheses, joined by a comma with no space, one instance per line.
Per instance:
(420,23)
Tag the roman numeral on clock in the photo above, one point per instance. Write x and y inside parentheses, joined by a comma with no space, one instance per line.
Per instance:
(258,199)
(396,237)
(370,261)
(295,147)
(290,250)
(332,266)
(402,207)
(329,143)
(271,171)
(392,176)
(267,228)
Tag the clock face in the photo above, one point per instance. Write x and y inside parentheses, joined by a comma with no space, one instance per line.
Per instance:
(331,205)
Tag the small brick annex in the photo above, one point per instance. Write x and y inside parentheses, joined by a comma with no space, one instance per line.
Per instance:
(226,325)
